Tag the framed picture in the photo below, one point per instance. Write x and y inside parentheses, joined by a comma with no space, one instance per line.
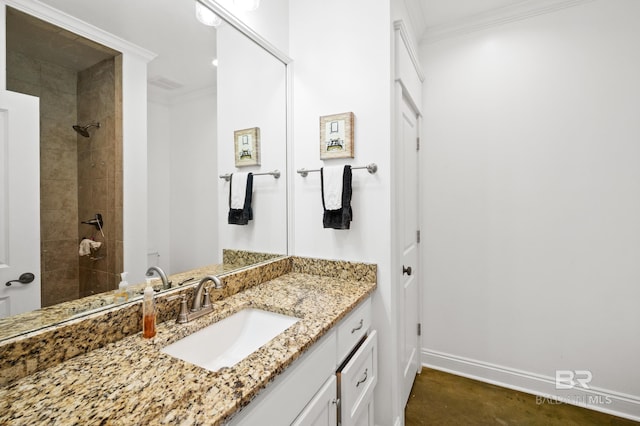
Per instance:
(247,147)
(336,136)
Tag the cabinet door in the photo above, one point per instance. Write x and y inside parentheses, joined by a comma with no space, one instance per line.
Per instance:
(365,418)
(322,409)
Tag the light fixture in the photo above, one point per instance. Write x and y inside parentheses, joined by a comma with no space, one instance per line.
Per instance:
(247,5)
(215,62)
(206,16)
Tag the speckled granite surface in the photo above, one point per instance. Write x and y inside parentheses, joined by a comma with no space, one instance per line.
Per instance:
(34,320)
(130,382)
(246,258)
(31,352)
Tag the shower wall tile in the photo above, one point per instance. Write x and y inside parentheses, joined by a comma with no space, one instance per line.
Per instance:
(99,194)
(60,254)
(56,225)
(58,106)
(97,172)
(100,159)
(62,286)
(93,282)
(20,86)
(56,135)
(23,68)
(58,194)
(58,164)
(58,79)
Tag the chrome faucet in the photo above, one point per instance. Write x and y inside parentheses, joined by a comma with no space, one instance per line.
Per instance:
(199,307)
(165,282)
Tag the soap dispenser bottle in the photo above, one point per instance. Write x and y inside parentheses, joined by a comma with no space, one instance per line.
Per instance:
(148,313)
(122,295)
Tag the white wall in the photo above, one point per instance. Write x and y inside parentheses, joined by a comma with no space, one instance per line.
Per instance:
(194,180)
(531,183)
(270,20)
(252,89)
(159,183)
(183,198)
(342,64)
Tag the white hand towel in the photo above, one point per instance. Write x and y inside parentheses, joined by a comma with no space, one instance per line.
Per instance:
(86,245)
(238,190)
(332,183)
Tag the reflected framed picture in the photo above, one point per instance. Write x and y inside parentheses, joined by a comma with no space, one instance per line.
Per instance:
(247,147)
(336,136)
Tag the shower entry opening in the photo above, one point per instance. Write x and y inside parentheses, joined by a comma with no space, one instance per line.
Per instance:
(79,84)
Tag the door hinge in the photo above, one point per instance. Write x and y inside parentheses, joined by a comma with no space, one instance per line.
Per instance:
(417,144)
(418,236)
(419,329)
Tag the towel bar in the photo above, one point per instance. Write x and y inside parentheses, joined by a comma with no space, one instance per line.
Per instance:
(371,168)
(275,174)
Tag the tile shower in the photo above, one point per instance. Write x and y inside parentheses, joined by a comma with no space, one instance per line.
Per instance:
(79,176)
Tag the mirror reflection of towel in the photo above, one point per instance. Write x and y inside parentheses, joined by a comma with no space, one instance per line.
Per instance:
(336,196)
(240,193)
(86,245)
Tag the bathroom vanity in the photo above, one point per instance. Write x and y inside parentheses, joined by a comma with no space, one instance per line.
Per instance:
(293,378)
(331,384)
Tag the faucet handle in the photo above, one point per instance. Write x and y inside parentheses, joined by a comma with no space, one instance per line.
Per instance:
(183,315)
(207,298)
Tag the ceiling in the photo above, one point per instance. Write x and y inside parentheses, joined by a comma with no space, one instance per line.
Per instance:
(185,47)
(168,28)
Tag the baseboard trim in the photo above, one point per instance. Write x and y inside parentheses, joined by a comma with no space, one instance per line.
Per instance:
(544,387)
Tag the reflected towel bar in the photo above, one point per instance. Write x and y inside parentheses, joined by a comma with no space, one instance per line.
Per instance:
(371,168)
(275,174)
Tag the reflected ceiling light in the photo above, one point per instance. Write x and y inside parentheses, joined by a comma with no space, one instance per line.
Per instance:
(215,62)
(206,16)
(247,5)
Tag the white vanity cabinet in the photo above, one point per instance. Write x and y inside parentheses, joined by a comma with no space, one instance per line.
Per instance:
(330,384)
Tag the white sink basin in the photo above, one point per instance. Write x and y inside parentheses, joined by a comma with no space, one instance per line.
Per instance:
(227,342)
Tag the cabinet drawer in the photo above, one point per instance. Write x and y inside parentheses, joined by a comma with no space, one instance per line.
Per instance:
(357,381)
(353,328)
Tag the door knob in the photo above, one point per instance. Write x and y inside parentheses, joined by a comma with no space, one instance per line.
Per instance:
(25,278)
(406,270)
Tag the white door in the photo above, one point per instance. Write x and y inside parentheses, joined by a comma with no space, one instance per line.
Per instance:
(19,203)
(408,296)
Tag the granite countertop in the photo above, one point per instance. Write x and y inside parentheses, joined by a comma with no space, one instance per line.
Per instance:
(45,317)
(130,382)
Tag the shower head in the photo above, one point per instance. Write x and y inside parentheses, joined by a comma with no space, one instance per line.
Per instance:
(84,130)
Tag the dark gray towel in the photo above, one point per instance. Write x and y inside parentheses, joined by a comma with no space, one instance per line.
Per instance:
(244,215)
(340,218)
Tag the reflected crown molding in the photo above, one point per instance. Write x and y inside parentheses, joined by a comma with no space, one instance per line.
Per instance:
(188,96)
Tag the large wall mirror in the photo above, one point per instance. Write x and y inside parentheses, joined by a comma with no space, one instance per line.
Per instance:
(194,108)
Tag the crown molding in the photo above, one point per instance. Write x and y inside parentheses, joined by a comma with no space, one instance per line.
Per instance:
(496,17)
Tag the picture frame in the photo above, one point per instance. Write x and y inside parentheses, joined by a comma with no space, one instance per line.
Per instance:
(336,136)
(247,147)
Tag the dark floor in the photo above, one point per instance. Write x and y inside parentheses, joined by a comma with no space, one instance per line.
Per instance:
(439,398)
